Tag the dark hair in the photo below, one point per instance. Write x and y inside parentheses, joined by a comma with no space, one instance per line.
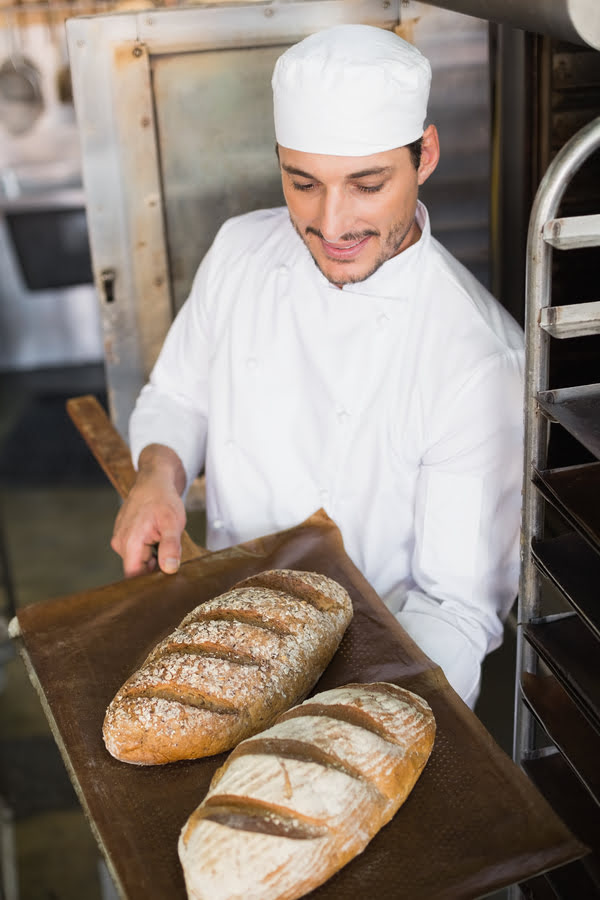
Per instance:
(414,149)
(415,152)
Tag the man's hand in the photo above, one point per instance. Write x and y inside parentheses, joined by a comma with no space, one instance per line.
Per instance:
(153,514)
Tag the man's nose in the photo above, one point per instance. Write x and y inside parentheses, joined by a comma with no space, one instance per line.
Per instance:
(335,216)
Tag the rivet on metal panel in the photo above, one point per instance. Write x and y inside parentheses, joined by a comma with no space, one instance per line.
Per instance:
(269,11)
(137,51)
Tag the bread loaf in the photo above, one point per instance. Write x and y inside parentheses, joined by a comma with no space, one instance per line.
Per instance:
(233,665)
(294,804)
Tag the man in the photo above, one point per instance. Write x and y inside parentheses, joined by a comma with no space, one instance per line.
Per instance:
(332,354)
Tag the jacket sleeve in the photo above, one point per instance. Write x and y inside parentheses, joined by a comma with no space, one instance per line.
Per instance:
(172,407)
(467,516)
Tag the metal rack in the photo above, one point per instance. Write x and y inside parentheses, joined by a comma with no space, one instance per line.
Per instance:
(557,703)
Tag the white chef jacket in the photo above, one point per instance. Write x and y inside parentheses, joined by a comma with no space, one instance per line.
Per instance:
(395,404)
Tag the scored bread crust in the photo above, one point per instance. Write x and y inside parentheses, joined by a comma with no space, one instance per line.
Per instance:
(294,804)
(230,668)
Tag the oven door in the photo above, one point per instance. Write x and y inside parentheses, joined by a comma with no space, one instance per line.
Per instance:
(48,309)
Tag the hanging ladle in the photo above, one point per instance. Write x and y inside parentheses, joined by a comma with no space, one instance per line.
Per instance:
(21,98)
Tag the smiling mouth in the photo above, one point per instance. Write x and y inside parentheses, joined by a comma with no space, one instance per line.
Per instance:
(348,250)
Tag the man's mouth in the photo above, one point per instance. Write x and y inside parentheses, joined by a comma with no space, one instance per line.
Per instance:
(344,250)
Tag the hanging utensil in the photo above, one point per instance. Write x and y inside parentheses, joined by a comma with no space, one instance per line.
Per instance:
(64,87)
(21,97)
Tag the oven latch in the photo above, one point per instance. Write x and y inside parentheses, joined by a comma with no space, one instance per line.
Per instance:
(107,284)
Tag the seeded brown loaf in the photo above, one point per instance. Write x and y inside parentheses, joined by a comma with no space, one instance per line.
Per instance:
(231,667)
(294,804)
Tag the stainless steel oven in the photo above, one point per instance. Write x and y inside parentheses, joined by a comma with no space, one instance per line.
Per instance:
(48,308)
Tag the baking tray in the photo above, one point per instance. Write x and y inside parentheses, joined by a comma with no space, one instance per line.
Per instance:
(556,780)
(573,491)
(571,652)
(574,568)
(577,409)
(473,823)
(566,727)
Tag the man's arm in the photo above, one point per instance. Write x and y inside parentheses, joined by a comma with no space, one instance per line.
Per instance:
(153,514)
(465,560)
(167,435)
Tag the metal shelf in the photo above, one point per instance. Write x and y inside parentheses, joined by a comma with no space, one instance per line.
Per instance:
(574,492)
(563,708)
(566,727)
(574,882)
(573,232)
(537,889)
(571,653)
(574,320)
(577,409)
(564,792)
(574,568)
(571,882)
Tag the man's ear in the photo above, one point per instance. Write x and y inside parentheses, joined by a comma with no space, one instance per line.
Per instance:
(430,153)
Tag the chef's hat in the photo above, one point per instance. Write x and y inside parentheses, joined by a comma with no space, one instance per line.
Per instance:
(351,90)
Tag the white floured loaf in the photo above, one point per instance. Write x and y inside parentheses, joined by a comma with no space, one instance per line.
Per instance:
(231,667)
(294,804)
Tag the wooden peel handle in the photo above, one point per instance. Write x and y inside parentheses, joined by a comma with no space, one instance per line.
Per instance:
(105,442)
(112,453)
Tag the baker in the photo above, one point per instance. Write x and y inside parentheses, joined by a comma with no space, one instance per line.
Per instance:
(333,354)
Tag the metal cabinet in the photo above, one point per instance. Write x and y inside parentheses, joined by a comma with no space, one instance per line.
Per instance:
(557,733)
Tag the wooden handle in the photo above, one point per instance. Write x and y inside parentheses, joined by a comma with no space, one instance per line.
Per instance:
(112,453)
(105,442)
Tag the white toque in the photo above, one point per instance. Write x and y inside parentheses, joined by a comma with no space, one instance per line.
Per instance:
(351,90)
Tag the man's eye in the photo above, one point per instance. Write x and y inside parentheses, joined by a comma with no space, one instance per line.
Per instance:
(299,186)
(369,189)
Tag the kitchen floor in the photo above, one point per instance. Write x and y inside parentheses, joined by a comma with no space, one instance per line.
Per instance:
(56,516)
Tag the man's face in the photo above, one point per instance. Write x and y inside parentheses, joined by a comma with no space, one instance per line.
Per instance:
(353,213)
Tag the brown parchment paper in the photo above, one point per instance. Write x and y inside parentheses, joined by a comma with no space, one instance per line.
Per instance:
(472,824)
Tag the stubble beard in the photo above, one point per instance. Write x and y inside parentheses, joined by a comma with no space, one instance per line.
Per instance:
(391,246)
